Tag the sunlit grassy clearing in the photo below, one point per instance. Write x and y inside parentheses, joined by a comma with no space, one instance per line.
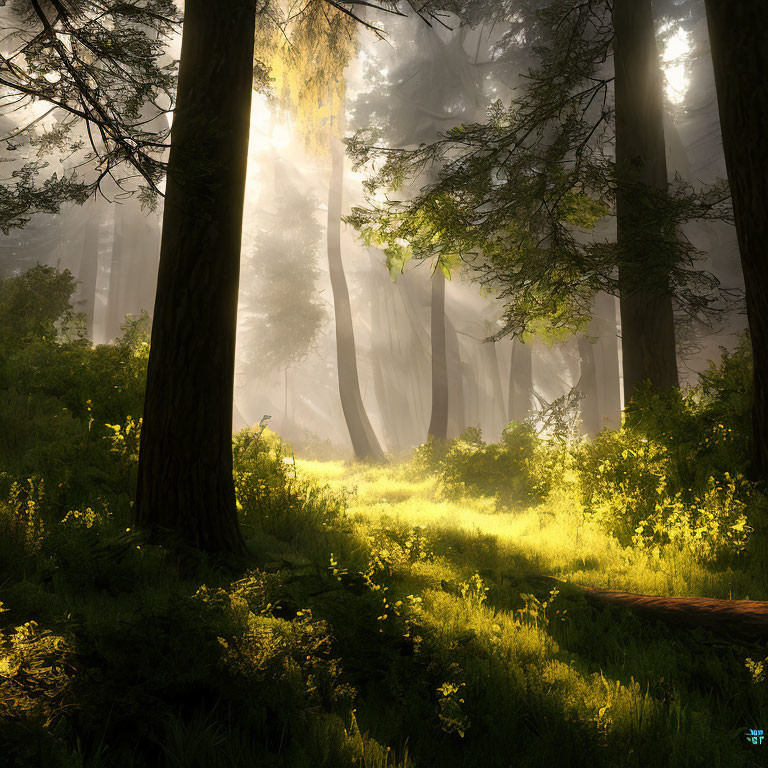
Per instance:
(592,675)
(553,538)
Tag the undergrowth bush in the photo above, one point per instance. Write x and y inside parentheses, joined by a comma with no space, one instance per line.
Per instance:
(59,394)
(673,474)
(521,468)
(675,471)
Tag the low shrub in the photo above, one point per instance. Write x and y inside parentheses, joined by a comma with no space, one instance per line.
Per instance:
(521,468)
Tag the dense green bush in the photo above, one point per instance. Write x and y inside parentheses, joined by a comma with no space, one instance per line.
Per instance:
(676,470)
(521,468)
(59,394)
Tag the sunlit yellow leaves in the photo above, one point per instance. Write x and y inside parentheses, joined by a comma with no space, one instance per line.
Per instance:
(306,53)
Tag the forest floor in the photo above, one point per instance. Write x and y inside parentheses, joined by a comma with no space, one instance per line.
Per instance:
(550,538)
(377,623)
(465,574)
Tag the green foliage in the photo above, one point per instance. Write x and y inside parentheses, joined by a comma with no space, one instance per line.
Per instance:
(521,468)
(272,499)
(305,48)
(96,66)
(673,474)
(676,469)
(354,626)
(61,398)
(518,196)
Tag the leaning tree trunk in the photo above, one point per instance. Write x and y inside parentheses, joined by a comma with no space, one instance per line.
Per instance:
(438,423)
(185,464)
(647,321)
(738,34)
(520,381)
(364,442)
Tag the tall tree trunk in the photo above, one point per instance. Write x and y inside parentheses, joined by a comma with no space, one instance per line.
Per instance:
(608,372)
(438,423)
(647,321)
(133,273)
(185,481)
(520,381)
(395,409)
(115,306)
(89,265)
(738,32)
(457,417)
(364,442)
(497,406)
(590,407)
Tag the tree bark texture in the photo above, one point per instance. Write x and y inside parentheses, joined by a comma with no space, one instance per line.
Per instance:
(438,423)
(738,31)
(364,442)
(647,321)
(520,381)
(185,481)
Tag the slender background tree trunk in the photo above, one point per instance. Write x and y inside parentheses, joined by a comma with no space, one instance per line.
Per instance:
(647,321)
(364,442)
(457,416)
(590,406)
(89,265)
(115,313)
(520,381)
(438,423)
(185,465)
(738,32)
(607,350)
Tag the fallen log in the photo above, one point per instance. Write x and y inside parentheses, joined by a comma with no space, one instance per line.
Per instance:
(742,619)
(746,619)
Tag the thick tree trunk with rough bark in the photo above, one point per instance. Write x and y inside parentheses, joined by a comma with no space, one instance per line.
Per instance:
(647,321)
(364,442)
(185,484)
(738,31)
(438,423)
(520,381)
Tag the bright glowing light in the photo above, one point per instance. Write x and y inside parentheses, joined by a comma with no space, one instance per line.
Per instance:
(268,129)
(281,134)
(675,65)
